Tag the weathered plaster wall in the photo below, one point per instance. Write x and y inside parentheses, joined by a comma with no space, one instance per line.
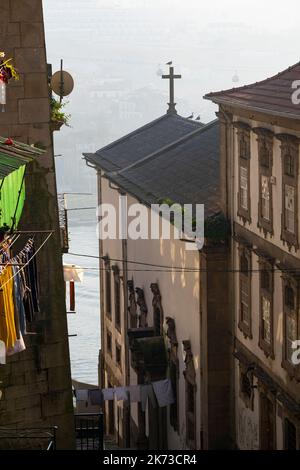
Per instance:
(37,382)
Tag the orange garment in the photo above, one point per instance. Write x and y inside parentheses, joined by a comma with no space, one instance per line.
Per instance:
(7,309)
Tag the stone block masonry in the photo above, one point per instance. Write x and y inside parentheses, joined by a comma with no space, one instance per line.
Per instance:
(36,384)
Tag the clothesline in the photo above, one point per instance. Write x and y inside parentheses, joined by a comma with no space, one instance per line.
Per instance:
(157,393)
(32,257)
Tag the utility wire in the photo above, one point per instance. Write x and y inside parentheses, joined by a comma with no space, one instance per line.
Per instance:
(171,269)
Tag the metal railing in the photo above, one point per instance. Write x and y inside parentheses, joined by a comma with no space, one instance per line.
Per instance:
(15,438)
(89,431)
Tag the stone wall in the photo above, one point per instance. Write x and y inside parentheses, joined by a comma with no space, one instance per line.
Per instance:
(36,384)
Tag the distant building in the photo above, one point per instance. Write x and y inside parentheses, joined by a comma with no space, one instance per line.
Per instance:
(260,136)
(158,316)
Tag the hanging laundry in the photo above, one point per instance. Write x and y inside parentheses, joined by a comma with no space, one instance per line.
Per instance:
(121,393)
(18,297)
(18,347)
(72,274)
(33,277)
(82,395)
(7,320)
(96,397)
(2,353)
(108,394)
(147,394)
(164,392)
(135,393)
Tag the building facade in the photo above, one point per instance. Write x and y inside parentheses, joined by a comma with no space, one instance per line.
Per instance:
(158,317)
(36,384)
(260,133)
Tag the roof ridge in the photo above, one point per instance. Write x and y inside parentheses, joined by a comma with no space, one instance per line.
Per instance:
(165,148)
(208,96)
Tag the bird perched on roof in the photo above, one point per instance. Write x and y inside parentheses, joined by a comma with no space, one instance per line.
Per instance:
(169,63)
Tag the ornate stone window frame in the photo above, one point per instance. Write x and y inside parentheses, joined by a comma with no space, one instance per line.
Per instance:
(245,251)
(244,157)
(265,142)
(293,283)
(109,342)
(266,267)
(289,148)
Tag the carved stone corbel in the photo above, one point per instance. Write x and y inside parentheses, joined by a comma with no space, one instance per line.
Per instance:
(141,302)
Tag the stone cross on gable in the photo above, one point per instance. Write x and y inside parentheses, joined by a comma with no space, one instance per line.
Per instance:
(171,76)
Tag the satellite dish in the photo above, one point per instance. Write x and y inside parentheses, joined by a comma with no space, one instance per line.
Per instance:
(62,83)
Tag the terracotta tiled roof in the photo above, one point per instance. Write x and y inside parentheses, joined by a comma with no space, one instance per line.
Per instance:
(272,95)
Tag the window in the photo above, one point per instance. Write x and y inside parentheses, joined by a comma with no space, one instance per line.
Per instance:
(245,292)
(190,394)
(244,187)
(244,171)
(265,198)
(290,435)
(107,287)
(118,355)
(267,423)
(174,373)
(290,167)
(289,208)
(266,306)
(265,158)
(265,155)
(109,343)
(117,295)
(291,321)
(190,414)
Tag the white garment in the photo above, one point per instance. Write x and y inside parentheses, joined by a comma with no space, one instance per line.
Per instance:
(135,393)
(108,394)
(2,352)
(147,394)
(73,273)
(163,392)
(121,393)
(18,347)
(82,395)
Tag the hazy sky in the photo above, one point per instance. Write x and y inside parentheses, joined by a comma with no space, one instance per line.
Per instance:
(209,42)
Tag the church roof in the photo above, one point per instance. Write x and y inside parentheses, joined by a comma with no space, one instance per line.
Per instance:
(143,142)
(272,95)
(186,171)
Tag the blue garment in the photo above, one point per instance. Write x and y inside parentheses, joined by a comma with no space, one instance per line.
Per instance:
(18,298)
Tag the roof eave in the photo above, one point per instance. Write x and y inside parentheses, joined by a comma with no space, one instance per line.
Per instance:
(240,105)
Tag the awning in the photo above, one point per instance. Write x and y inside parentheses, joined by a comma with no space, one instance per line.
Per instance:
(16,154)
(13,158)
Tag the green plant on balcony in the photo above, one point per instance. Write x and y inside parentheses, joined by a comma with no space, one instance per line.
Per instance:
(58,116)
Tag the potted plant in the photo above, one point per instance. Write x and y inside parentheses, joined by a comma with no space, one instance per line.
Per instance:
(58,116)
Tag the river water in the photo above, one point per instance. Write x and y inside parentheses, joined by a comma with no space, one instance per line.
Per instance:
(85,323)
